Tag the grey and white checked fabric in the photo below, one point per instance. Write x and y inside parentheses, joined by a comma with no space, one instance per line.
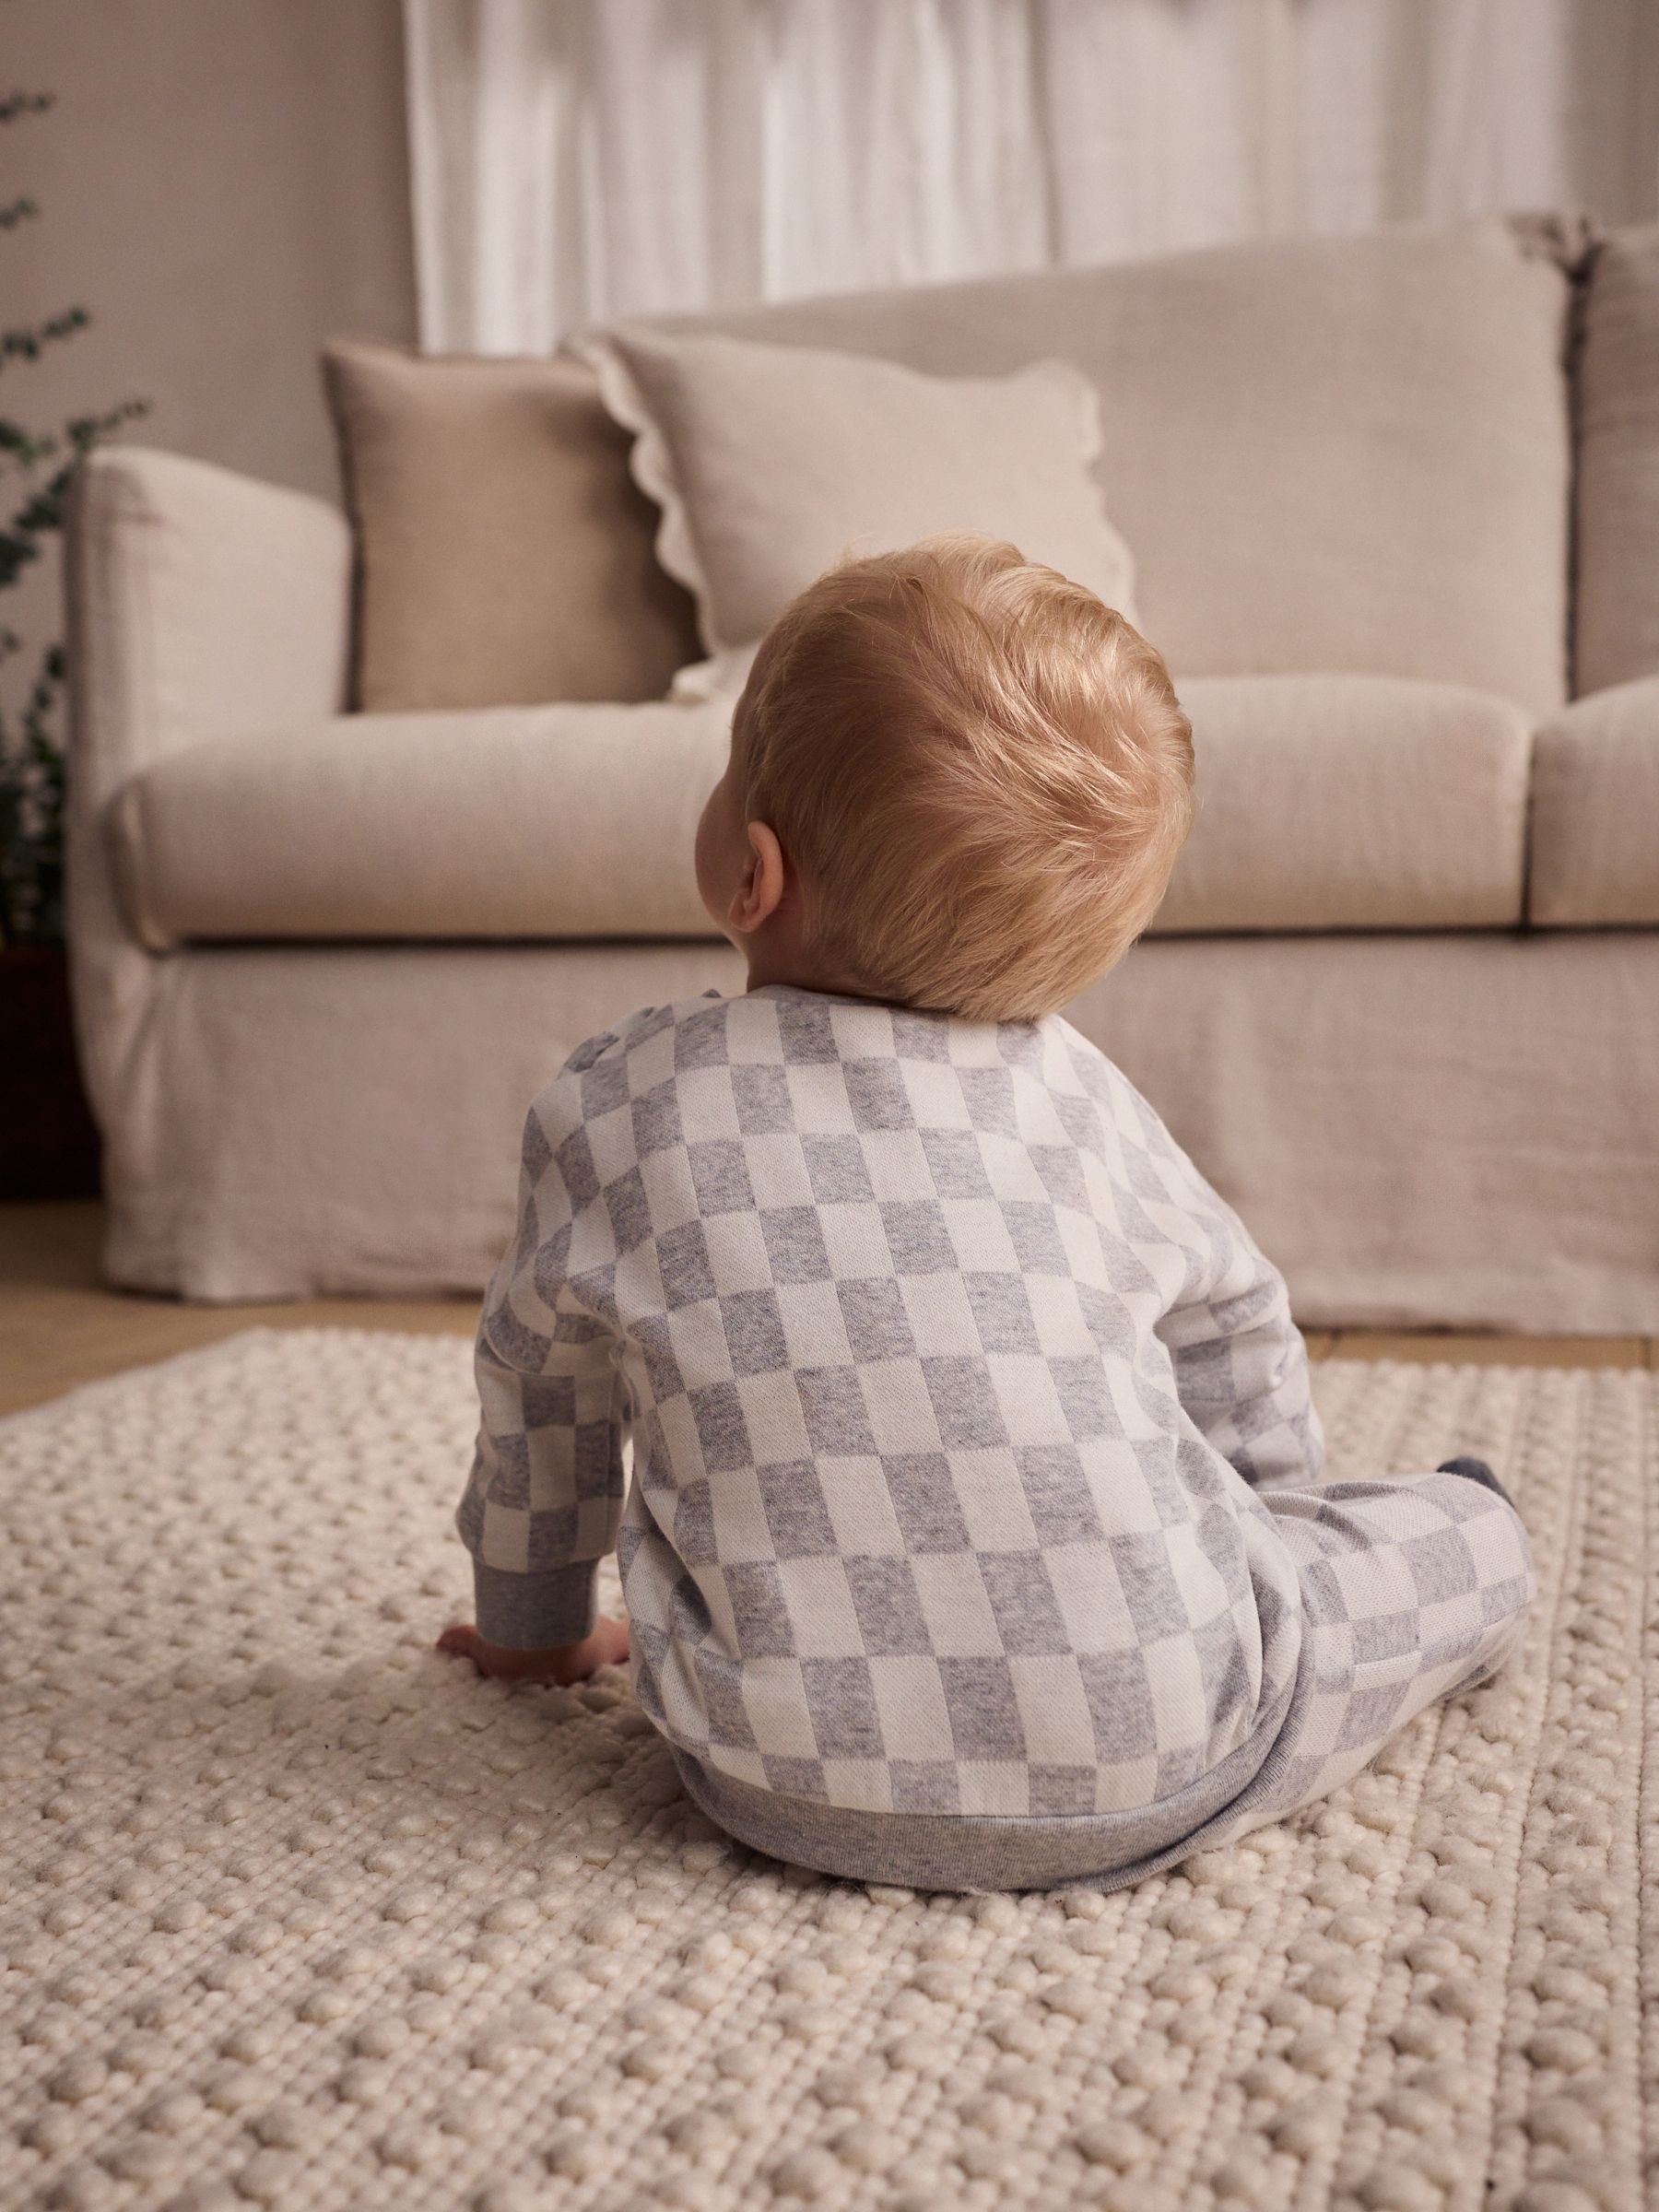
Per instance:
(974,1535)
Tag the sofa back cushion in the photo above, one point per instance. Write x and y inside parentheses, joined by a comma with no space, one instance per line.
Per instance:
(1617,615)
(1328,454)
(503,553)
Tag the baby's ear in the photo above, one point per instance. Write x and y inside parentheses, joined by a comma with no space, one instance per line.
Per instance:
(762,891)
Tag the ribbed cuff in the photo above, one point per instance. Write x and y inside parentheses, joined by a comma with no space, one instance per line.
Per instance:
(535,1611)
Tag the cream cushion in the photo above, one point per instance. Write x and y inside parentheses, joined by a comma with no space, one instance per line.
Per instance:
(503,553)
(1617,548)
(769,463)
(1596,810)
(1332,802)
(573,821)
(1325,802)
(1345,453)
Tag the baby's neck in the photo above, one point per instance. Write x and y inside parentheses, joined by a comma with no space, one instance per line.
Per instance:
(770,964)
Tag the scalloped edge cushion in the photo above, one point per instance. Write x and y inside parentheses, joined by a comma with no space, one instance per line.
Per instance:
(750,453)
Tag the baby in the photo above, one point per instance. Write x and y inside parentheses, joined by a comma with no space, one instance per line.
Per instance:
(976,1537)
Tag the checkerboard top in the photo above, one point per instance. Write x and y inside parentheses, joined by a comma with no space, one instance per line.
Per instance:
(900,1314)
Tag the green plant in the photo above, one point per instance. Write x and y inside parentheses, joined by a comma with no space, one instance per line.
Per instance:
(36,467)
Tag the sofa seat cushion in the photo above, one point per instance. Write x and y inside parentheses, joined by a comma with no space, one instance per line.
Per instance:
(1351,802)
(1596,811)
(1325,802)
(501,822)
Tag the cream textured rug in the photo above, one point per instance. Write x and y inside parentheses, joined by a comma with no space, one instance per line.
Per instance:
(296,1912)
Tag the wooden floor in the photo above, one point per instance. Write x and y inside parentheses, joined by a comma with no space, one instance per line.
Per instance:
(59,1326)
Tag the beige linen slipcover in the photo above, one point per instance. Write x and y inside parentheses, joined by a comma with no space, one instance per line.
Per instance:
(197,602)
(1325,802)
(1452,1128)
(1596,810)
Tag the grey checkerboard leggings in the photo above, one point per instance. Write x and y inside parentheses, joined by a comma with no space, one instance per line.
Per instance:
(1407,1589)
(976,1534)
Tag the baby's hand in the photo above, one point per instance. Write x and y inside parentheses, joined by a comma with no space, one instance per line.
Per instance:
(560,1665)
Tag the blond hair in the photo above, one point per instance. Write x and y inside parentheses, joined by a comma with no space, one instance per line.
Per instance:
(980,769)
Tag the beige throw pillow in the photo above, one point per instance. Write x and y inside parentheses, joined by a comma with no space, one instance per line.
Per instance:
(505,557)
(770,462)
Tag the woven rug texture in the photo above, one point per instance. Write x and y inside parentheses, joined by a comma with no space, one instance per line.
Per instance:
(296,1912)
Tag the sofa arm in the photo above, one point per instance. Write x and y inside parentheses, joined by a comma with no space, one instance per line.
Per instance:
(198,604)
(201,604)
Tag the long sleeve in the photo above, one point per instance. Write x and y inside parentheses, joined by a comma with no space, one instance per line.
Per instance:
(544,1498)
(1242,1374)
(1241,1365)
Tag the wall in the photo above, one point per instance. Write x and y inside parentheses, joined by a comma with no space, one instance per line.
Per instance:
(224,184)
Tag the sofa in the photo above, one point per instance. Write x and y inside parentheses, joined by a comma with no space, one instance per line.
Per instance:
(373,816)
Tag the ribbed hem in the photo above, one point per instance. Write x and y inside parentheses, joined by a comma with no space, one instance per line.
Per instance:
(535,1611)
(961,1851)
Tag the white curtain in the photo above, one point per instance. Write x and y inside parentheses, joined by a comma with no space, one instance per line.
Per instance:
(580,159)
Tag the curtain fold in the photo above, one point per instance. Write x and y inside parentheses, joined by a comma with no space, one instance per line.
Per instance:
(577,160)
